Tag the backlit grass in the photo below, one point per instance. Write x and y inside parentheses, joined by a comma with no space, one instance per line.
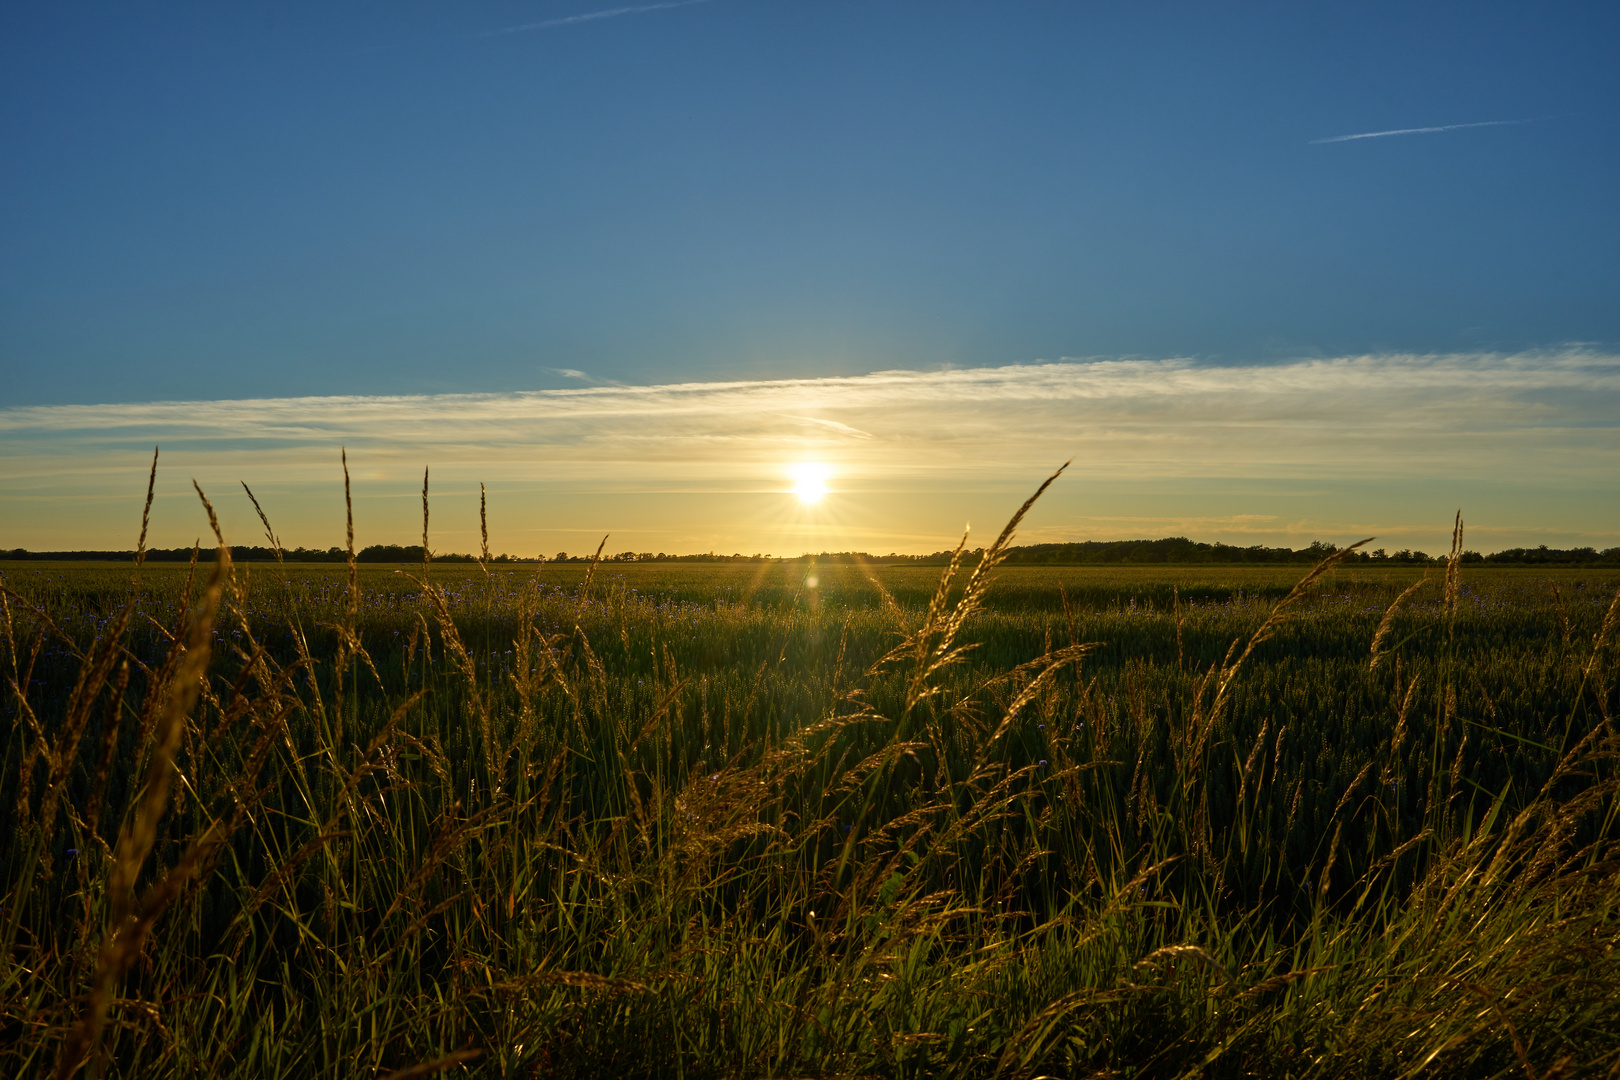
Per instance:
(716,821)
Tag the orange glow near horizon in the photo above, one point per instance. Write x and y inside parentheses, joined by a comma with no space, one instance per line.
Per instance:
(891,461)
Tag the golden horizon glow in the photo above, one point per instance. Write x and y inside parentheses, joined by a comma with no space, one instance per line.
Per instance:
(1275,453)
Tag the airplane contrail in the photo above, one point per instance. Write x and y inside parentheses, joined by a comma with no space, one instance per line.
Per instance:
(1416,131)
(590,16)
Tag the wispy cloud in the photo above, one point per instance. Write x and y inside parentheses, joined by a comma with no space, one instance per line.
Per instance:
(1347,414)
(1416,131)
(589,16)
(912,452)
(570,373)
(834,425)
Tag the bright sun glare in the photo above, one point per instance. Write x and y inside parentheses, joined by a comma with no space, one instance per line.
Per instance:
(810,482)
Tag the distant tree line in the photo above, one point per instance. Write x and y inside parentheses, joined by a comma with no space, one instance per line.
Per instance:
(376,553)
(1177,550)
(1174,549)
(1546,556)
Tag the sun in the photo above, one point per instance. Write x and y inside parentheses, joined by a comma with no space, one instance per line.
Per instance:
(809,482)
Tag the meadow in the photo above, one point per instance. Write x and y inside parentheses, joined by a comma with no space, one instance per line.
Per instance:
(784,819)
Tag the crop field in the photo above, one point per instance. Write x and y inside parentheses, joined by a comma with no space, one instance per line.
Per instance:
(789,819)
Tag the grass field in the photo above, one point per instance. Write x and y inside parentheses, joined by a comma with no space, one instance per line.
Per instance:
(715,820)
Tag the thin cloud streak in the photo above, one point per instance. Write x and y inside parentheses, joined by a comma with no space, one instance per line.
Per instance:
(591,16)
(1256,450)
(834,425)
(1165,417)
(1416,131)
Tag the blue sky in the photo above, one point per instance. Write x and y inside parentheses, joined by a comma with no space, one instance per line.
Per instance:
(212,202)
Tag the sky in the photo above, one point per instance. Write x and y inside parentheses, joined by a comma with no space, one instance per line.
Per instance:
(1267,273)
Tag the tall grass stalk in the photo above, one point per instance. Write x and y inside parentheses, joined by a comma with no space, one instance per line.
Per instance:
(393,826)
